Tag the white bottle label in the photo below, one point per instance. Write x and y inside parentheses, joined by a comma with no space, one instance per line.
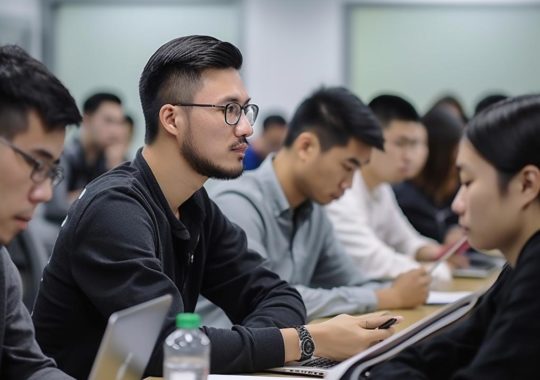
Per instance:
(183,376)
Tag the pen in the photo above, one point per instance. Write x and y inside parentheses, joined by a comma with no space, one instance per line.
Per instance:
(450,251)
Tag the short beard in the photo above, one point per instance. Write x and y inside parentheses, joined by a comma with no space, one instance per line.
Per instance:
(201,164)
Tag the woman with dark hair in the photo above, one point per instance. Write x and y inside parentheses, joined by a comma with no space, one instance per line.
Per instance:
(426,199)
(498,205)
(452,104)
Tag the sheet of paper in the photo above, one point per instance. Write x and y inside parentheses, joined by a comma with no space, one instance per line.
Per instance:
(440,298)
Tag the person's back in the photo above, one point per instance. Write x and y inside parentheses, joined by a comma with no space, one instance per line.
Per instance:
(34,111)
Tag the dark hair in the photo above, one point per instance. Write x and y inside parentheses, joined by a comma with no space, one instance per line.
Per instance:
(453,101)
(508,135)
(388,108)
(173,72)
(94,101)
(273,121)
(26,85)
(487,101)
(335,115)
(444,132)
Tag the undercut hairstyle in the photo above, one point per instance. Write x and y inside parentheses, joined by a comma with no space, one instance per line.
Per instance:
(335,115)
(272,121)
(27,85)
(390,108)
(173,74)
(444,131)
(507,135)
(95,101)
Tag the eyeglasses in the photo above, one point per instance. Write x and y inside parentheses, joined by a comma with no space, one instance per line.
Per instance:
(232,111)
(40,170)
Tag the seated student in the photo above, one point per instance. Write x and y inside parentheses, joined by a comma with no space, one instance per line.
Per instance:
(426,198)
(279,206)
(367,219)
(499,207)
(148,228)
(270,140)
(90,154)
(34,111)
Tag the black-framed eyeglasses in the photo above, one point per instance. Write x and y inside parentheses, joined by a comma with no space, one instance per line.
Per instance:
(232,111)
(41,171)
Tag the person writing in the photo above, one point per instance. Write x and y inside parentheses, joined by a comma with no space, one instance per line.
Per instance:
(498,205)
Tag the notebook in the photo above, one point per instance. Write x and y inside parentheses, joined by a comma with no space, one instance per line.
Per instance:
(129,340)
(385,349)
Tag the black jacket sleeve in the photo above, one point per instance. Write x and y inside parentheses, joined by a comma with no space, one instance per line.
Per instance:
(117,267)
(251,295)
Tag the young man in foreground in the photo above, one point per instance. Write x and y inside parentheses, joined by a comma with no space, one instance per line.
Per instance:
(148,228)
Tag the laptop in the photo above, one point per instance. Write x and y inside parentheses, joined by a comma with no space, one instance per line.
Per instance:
(331,370)
(480,265)
(129,340)
(315,367)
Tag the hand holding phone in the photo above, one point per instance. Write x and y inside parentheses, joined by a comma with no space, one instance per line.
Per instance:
(389,323)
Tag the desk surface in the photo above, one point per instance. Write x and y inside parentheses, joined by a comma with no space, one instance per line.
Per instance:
(458,284)
(413,315)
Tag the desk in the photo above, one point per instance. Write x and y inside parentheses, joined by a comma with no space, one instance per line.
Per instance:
(413,315)
(458,284)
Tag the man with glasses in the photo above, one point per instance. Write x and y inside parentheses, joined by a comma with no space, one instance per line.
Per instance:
(367,219)
(34,111)
(148,228)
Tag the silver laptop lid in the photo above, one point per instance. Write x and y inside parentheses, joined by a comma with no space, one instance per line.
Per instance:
(129,340)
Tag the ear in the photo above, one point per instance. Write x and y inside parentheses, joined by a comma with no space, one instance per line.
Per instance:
(168,116)
(306,145)
(86,118)
(529,181)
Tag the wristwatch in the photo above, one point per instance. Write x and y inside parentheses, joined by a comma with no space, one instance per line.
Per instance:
(307,345)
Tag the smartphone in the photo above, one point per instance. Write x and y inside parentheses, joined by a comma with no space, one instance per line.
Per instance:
(388,323)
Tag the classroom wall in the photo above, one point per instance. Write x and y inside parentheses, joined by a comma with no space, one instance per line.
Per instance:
(291,47)
(20,22)
(424,51)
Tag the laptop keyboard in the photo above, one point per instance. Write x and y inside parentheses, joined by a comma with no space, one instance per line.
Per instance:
(319,362)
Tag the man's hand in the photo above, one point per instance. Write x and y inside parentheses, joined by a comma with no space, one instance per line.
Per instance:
(341,337)
(409,289)
(344,336)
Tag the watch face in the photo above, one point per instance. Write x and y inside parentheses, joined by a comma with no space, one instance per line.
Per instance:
(308,347)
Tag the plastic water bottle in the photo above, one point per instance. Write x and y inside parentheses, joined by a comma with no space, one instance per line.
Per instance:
(186,350)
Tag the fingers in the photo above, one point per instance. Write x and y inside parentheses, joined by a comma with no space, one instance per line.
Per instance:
(373,322)
(378,335)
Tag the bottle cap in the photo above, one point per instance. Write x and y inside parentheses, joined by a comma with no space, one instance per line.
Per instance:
(188,321)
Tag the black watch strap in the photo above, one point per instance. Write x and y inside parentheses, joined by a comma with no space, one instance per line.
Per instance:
(307,345)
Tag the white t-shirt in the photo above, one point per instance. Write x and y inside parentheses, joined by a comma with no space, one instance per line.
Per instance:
(376,233)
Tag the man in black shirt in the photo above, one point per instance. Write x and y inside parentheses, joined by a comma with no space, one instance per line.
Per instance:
(34,111)
(148,228)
